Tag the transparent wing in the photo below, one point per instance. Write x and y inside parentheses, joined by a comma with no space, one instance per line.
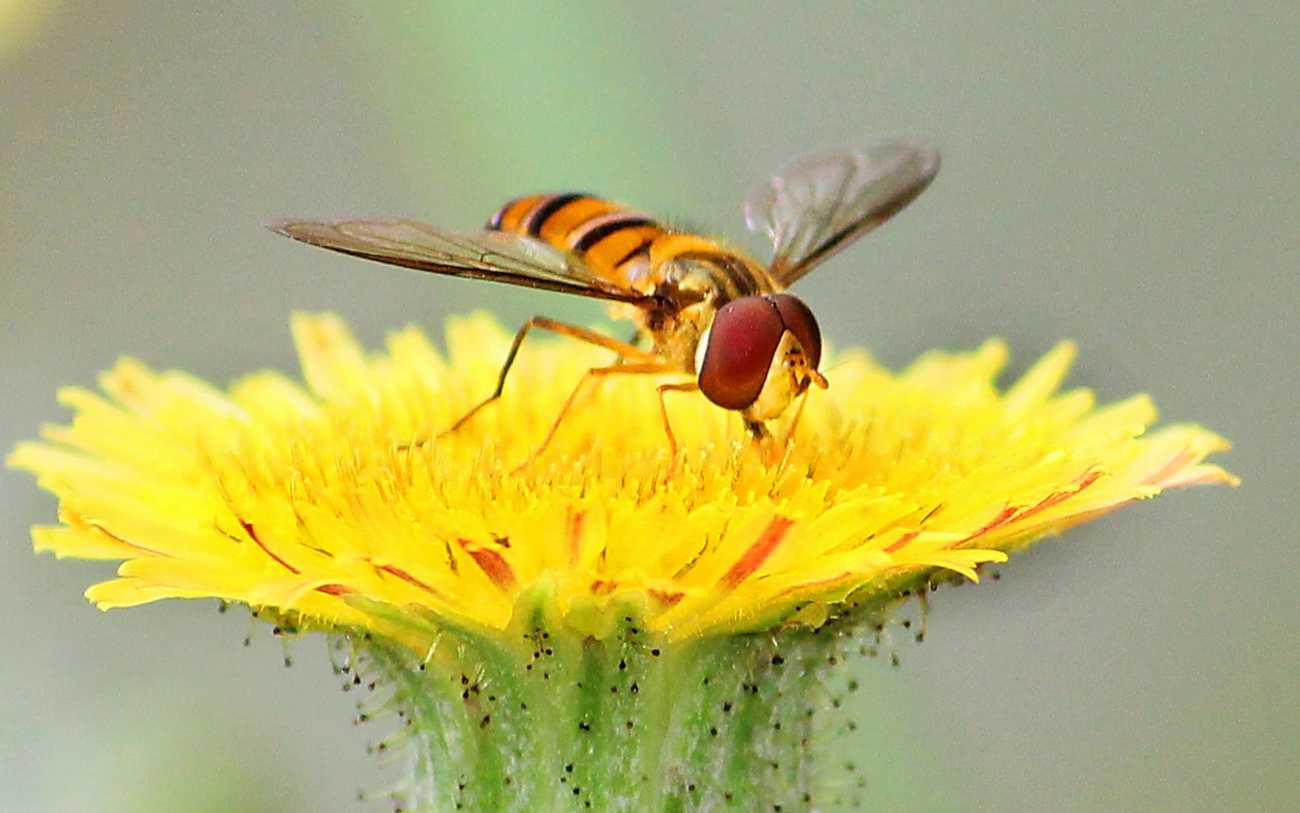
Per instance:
(820,204)
(489,255)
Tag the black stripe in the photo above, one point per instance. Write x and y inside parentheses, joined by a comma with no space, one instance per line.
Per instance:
(721,280)
(738,273)
(726,280)
(494,222)
(538,217)
(728,272)
(604,230)
(642,247)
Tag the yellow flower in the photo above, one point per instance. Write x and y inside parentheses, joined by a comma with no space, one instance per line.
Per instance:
(576,629)
(322,505)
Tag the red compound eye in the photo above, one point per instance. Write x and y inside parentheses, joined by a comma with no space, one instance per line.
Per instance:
(742,341)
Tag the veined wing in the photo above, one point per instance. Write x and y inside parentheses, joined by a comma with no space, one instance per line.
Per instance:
(820,204)
(489,255)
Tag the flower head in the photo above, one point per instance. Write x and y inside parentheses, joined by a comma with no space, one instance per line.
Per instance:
(322,504)
(556,629)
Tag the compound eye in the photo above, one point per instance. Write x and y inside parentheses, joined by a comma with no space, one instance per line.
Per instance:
(799,320)
(742,341)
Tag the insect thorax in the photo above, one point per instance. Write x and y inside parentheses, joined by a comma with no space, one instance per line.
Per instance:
(693,285)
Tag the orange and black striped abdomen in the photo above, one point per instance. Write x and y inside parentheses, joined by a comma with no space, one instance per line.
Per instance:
(622,246)
(610,239)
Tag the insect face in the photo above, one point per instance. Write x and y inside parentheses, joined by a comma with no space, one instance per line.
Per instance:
(759,353)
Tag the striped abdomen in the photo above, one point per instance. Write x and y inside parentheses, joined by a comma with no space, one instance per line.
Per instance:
(624,246)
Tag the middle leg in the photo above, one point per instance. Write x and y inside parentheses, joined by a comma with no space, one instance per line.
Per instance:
(596,374)
(624,350)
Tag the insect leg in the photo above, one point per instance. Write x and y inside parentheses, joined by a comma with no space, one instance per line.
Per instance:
(596,373)
(685,386)
(624,350)
(788,434)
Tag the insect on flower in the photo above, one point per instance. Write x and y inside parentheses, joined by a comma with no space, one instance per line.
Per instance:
(702,308)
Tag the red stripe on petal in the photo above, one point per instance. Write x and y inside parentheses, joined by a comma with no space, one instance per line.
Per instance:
(1012,514)
(1175,464)
(335,589)
(1000,519)
(903,540)
(1060,496)
(666,598)
(757,552)
(252,534)
(576,522)
(407,577)
(492,564)
(119,540)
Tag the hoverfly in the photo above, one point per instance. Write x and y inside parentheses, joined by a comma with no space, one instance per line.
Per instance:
(702,308)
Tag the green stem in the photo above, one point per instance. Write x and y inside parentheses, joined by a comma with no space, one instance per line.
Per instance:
(541,719)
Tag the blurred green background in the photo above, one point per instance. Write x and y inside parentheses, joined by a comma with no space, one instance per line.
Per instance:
(1126,177)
